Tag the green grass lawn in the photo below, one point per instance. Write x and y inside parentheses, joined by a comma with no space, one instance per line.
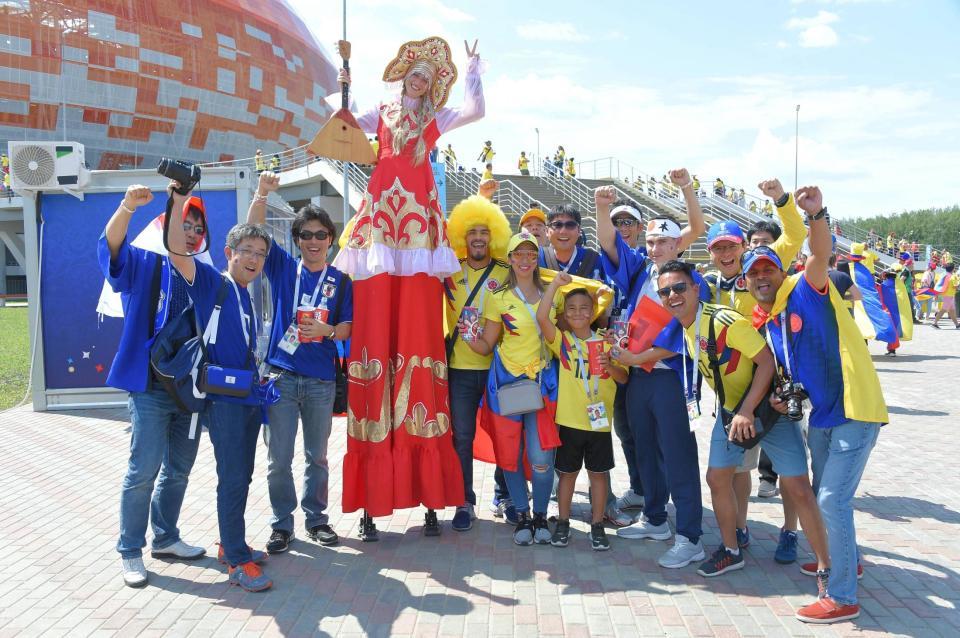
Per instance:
(14,355)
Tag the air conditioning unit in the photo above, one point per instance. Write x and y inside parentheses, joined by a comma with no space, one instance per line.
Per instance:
(47,166)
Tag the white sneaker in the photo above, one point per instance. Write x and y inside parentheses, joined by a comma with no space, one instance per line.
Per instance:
(553,511)
(134,573)
(644,529)
(616,517)
(682,553)
(630,501)
(179,550)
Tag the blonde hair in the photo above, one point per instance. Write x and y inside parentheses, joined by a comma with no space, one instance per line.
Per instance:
(401,130)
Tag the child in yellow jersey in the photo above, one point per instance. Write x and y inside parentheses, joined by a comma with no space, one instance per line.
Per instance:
(584,408)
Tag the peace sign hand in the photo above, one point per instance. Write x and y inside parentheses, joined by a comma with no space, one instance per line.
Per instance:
(471,53)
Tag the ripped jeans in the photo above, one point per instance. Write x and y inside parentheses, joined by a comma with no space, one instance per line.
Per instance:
(542,464)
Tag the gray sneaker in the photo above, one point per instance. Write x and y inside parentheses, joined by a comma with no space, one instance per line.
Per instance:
(630,501)
(134,572)
(541,533)
(644,529)
(682,553)
(179,550)
(767,489)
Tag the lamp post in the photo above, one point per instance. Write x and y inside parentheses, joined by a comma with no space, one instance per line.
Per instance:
(538,151)
(796,150)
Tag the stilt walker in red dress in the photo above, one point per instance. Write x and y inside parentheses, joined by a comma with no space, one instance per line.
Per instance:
(399,443)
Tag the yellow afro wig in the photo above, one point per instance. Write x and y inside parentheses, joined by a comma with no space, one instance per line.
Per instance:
(478,211)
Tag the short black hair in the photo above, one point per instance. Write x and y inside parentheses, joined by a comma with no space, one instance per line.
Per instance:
(578,291)
(764,226)
(569,210)
(948,267)
(675,265)
(312,212)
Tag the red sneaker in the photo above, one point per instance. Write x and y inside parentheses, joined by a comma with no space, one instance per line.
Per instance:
(810,569)
(826,611)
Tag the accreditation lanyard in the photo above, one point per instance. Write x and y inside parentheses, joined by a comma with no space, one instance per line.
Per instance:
(245,319)
(732,291)
(466,286)
(533,315)
(576,253)
(585,372)
(690,391)
(783,341)
(296,289)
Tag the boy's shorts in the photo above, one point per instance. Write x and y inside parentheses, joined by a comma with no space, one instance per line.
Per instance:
(579,448)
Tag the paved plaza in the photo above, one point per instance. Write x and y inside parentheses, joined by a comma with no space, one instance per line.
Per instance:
(60,476)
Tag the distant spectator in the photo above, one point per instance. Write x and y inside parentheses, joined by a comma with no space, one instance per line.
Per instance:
(768,209)
(558,160)
(523,163)
(275,162)
(259,162)
(915,249)
(696,184)
(487,172)
(434,155)
(741,198)
(571,169)
(487,153)
(449,157)
(375,145)
(891,242)
(753,206)
(947,258)
(719,188)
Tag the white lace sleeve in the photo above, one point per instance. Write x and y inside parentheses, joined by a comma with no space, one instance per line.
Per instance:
(367,120)
(473,107)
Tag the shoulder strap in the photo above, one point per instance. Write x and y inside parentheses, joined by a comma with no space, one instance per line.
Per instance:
(452,340)
(587,264)
(154,295)
(714,361)
(550,256)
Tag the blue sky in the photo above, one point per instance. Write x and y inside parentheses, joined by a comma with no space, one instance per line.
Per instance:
(707,85)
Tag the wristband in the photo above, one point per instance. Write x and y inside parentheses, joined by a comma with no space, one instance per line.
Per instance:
(687,185)
(333,332)
(820,215)
(783,200)
(123,205)
(260,198)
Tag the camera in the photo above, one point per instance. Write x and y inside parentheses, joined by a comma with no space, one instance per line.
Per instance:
(794,395)
(187,174)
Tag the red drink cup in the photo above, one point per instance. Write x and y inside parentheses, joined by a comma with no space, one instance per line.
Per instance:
(594,348)
(320,314)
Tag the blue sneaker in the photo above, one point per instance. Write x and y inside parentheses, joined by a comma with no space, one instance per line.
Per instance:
(495,507)
(786,548)
(507,511)
(743,537)
(463,519)
(249,577)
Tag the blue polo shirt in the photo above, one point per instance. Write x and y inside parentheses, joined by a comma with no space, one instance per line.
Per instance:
(310,359)
(232,349)
(572,266)
(131,275)
(813,341)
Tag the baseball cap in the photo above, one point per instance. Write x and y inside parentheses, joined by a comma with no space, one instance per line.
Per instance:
(521,238)
(727,230)
(754,255)
(533,213)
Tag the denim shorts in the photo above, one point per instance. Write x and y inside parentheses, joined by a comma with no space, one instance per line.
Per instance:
(783,444)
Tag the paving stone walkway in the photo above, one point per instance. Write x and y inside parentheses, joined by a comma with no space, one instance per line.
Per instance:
(60,475)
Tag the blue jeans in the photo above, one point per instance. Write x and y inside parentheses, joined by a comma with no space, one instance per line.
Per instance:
(666,449)
(161,457)
(233,432)
(466,391)
(838,457)
(312,401)
(542,477)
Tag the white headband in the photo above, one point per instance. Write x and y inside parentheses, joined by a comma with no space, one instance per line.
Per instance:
(624,208)
(663,227)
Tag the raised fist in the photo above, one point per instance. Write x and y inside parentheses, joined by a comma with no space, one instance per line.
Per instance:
(269,182)
(604,196)
(562,279)
(810,199)
(772,188)
(488,188)
(680,177)
(137,195)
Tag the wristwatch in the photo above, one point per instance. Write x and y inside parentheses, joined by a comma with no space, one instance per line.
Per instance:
(820,215)
(780,203)
(333,332)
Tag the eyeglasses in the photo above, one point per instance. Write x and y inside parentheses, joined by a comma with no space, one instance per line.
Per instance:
(625,221)
(198,229)
(246,253)
(678,288)
(525,255)
(569,225)
(308,234)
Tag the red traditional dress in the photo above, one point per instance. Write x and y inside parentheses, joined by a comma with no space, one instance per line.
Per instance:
(399,443)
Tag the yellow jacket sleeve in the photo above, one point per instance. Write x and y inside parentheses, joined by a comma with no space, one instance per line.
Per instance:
(794,232)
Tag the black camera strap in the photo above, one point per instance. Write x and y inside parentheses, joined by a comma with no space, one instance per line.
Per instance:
(451,341)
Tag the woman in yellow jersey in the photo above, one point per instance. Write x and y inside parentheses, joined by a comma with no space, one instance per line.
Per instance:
(588,386)
(512,334)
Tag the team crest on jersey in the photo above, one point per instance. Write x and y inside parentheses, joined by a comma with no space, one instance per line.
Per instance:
(796,323)
(740,285)
(492,284)
(703,344)
(329,290)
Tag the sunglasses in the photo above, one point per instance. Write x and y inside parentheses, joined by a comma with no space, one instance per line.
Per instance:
(625,221)
(678,288)
(310,234)
(761,250)
(569,225)
(198,229)
(525,255)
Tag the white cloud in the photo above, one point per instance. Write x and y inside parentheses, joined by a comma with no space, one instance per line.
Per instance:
(782,44)
(550,31)
(816,32)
